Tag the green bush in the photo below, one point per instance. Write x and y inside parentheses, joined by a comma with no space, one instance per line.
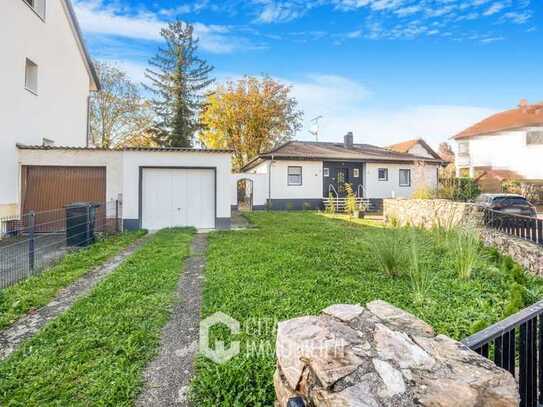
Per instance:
(465,245)
(389,252)
(459,189)
(330,205)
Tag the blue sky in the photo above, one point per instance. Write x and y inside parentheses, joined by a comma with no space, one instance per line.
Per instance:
(389,70)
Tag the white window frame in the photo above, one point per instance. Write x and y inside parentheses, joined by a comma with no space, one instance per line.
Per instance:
(295,184)
(463,148)
(326,171)
(400,177)
(356,172)
(29,86)
(33,5)
(385,178)
(531,135)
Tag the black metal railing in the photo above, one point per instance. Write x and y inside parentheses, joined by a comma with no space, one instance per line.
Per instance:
(516,344)
(523,227)
(31,242)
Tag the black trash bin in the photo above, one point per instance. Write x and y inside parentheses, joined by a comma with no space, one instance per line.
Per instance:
(80,224)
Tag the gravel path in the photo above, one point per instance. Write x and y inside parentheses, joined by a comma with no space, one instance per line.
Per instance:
(168,376)
(27,326)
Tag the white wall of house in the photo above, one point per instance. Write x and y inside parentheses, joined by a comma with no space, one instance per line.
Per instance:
(420,151)
(421,176)
(133,160)
(260,187)
(505,150)
(311,187)
(58,110)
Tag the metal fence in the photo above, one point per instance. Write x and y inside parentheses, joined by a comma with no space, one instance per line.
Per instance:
(522,227)
(516,344)
(35,240)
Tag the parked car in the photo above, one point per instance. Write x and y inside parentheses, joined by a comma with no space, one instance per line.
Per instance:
(508,203)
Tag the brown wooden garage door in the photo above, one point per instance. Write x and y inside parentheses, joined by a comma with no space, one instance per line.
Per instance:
(48,188)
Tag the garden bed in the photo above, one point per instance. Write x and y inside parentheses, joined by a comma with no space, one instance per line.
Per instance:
(297,264)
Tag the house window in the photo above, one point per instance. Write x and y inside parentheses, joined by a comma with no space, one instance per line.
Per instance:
(356,172)
(463,148)
(382,174)
(31,76)
(295,175)
(405,178)
(327,172)
(38,6)
(534,138)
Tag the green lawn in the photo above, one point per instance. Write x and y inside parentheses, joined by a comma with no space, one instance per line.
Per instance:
(296,264)
(37,291)
(94,354)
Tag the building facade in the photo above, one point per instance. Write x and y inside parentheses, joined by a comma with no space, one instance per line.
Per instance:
(46,80)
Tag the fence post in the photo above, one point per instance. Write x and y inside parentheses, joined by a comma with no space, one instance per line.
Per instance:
(117,216)
(31,242)
(87,235)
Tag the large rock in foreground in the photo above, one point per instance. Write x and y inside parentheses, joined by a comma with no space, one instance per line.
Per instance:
(382,356)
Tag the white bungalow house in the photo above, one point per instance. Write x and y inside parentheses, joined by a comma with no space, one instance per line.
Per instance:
(301,174)
(508,144)
(46,80)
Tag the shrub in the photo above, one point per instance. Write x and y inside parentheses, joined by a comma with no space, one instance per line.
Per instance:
(423,193)
(350,203)
(389,251)
(465,252)
(330,204)
(459,189)
(419,275)
(516,300)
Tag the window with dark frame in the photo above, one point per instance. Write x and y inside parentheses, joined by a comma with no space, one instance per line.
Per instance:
(405,178)
(382,174)
(38,6)
(294,176)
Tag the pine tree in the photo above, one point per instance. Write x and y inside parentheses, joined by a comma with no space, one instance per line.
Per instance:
(178,78)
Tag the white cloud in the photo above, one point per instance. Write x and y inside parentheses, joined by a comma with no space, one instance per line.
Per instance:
(494,8)
(97,18)
(345,105)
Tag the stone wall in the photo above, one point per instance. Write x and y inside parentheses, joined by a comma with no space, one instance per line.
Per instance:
(380,356)
(526,253)
(428,213)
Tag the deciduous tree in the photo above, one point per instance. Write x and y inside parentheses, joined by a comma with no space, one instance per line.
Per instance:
(249,116)
(117,111)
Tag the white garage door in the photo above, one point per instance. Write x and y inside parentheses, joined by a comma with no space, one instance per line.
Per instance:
(178,197)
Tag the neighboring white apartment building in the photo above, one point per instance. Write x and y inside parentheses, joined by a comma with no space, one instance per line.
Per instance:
(300,174)
(509,142)
(46,80)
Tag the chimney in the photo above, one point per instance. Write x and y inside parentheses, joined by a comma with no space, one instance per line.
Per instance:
(348,140)
(523,105)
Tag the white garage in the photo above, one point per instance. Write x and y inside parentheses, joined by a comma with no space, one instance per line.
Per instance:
(158,187)
(173,197)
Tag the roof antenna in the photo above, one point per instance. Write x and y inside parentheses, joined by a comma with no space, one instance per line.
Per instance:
(315,132)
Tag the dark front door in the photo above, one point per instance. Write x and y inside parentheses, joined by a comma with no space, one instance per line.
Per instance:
(337,174)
